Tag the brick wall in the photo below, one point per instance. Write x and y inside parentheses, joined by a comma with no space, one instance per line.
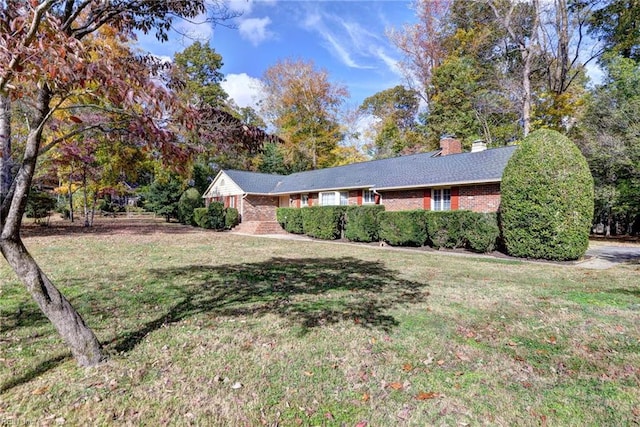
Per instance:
(480,198)
(260,208)
(477,198)
(403,200)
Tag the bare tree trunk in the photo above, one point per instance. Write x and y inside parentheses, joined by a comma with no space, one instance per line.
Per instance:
(83,343)
(526,90)
(86,197)
(69,324)
(5,146)
(70,192)
(527,45)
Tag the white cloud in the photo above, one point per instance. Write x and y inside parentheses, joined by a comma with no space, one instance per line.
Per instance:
(392,64)
(351,42)
(240,6)
(196,29)
(245,90)
(255,29)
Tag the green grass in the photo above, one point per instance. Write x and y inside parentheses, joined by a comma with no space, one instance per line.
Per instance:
(316,334)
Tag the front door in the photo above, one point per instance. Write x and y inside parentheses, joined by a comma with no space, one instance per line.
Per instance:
(284,201)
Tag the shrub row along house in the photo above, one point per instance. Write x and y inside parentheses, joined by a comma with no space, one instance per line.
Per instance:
(441,180)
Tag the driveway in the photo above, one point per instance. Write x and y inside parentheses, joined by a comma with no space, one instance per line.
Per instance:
(601,256)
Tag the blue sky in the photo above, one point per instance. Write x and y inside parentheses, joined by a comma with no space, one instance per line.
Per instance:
(347,38)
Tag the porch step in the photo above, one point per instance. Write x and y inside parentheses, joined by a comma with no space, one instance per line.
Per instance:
(259,227)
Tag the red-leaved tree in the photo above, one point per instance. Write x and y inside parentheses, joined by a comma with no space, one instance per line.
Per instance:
(55,63)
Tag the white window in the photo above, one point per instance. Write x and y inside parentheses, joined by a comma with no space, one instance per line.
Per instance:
(304,200)
(333,198)
(232,201)
(368,197)
(344,198)
(328,199)
(441,199)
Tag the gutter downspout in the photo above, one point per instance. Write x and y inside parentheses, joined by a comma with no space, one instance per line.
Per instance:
(242,206)
(379,196)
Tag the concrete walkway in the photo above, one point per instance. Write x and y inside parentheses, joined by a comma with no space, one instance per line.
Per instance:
(603,256)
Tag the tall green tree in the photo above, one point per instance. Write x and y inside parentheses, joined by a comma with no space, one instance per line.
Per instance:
(396,112)
(198,67)
(610,141)
(616,24)
(303,104)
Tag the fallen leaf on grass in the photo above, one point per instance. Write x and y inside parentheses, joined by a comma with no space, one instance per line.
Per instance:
(512,344)
(40,390)
(552,339)
(308,373)
(236,386)
(362,424)
(460,355)
(427,395)
(407,367)
(396,386)
(366,397)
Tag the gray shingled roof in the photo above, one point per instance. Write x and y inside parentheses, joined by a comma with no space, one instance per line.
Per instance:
(418,170)
(255,183)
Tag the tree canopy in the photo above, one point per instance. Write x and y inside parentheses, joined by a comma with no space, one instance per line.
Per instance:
(303,104)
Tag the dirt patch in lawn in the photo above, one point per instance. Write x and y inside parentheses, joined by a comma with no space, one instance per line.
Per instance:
(120,225)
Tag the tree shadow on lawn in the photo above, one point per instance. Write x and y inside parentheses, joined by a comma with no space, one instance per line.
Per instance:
(310,292)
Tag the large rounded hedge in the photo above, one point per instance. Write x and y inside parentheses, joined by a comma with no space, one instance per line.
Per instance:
(547,199)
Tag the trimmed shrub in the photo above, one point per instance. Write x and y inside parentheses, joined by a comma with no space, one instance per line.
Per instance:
(323,222)
(290,219)
(547,199)
(361,223)
(405,228)
(482,232)
(189,200)
(215,216)
(447,229)
(200,217)
(212,217)
(231,218)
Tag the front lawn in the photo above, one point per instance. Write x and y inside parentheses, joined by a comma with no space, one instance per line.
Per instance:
(209,328)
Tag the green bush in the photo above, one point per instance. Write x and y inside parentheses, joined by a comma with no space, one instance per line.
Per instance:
(290,219)
(189,200)
(405,228)
(231,218)
(482,232)
(447,229)
(323,222)
(547,199)
(361,223)
(211,217)
(39,204)
(200,217)
(215,216)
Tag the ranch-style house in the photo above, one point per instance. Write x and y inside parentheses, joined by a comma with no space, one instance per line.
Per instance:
(445,179)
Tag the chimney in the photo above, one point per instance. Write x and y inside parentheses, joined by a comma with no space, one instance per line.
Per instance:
(478,145)
(450,145)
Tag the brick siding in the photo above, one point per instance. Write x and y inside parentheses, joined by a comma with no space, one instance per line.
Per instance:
(476,198)
(260,208)
(480,198)
(403,200)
